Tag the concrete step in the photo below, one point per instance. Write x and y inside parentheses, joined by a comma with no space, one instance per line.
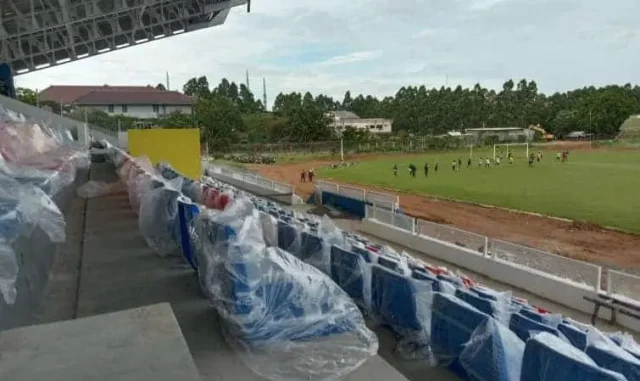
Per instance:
(139,344)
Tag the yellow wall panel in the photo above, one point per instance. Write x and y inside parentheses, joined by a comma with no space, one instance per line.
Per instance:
(178,147)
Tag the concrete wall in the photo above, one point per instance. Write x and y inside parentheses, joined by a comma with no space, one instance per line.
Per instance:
(258,190)
(553,288)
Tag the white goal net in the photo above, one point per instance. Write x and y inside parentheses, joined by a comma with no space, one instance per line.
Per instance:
(518,150)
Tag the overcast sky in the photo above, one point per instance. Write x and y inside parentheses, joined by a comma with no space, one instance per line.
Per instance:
(376,46)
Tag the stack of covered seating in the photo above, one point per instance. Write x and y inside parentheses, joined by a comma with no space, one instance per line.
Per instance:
(289,282)
(38,169)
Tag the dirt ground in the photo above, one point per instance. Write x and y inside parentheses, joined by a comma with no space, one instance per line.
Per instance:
(577,240)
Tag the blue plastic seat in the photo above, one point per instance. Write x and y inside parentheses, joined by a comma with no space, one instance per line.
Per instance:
(452,323)
(523,326)
(610,356)
(187,213)
(575,335)
(393,300)
(288,237)
(493,353)
(549,358)
(483,305)
(349,271)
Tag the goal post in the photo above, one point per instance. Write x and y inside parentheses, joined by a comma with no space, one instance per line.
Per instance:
(509,146)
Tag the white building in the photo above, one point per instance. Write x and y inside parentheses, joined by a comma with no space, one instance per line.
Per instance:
(144,102)
(341,120)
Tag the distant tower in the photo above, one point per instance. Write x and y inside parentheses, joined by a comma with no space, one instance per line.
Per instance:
(264,93)
(248,87)
(168,81)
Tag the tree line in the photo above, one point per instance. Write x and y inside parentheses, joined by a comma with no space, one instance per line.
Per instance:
(229,113)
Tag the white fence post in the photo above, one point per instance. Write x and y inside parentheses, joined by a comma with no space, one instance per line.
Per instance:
(609,282)
(486,246)
(413,225)
(598,284)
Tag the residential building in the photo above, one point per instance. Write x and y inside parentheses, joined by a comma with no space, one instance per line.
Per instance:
(341,120)
(144,102)
(503,134)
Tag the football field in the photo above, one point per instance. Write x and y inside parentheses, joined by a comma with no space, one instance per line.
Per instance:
(599,186)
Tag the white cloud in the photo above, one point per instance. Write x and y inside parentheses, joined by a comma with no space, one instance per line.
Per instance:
(352,57)
(377,46)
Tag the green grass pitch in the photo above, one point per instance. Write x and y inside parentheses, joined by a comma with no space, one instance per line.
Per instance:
(598,186)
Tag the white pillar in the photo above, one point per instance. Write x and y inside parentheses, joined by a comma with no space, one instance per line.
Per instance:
(83,134)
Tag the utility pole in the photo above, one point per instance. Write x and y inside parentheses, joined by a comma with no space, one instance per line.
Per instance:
(264,93)
(168,88)
(248,87)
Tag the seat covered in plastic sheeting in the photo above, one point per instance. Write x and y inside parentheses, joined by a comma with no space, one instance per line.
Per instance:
(626,342)
(493,353)
(523,326)
(189,187)
(396,299)
(352,272)
(483,305)
(609,355)
(23,207)
(287,320)
(158,219)
(187,213)
(549,358)
(288,237)
(269,229)
(453,321)
(575,335)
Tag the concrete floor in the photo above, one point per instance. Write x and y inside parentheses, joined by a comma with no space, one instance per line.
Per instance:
(112,269)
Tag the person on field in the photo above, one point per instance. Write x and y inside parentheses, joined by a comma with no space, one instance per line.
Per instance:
(435,168)
(426,169)
(498,160)
(531,159)
(510,159)
(558,156)
(539,157)
(469,163)
(412,170)
(303,176)
(454,165)
(395,170)
(459,164)
(311,175)
(480,162)
(487,163)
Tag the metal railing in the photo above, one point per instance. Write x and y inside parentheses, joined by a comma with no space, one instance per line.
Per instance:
(623,285)
(459,237)
(379,199)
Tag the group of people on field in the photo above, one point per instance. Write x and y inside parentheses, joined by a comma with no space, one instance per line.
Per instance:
(482,161)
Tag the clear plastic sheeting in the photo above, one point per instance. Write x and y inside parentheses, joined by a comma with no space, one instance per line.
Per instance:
(93,188)
(286,319)
(608,355)
(493,353)
(626,342)
(550,358)
(158,217)
(23,208)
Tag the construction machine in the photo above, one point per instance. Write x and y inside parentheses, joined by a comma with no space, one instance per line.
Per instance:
(546,136)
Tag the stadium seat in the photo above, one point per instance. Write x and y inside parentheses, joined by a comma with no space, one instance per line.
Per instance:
(349,270)
(493,353)
(452,324)
(549,358)
(288,237)
(394,299)
(524,326)
(482,304)
(575,335)
(187,212)
(609,355)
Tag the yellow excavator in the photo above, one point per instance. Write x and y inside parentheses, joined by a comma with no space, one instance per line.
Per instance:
(546,136)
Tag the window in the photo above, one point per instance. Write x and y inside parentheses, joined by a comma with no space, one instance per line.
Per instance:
(156,108)
(110,108)
(125,108)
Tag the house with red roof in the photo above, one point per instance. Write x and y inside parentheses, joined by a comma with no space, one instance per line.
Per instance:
(143,102)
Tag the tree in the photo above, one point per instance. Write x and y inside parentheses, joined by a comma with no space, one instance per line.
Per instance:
(220,122)
(27,96)
(161,87)
(177,119)
(197,87)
